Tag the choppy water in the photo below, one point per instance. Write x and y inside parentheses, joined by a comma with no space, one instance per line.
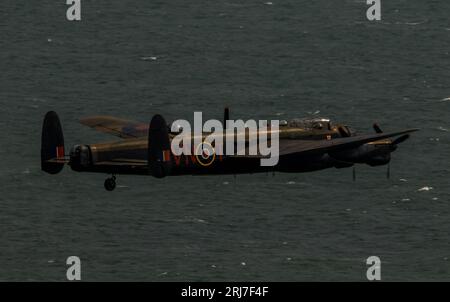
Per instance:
(289,59)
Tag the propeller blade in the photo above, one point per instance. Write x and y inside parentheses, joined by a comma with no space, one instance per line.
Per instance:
(342,132)
(401,139)
(226,116)
(377,128)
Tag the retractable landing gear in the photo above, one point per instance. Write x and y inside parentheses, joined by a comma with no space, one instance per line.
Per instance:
(110,183)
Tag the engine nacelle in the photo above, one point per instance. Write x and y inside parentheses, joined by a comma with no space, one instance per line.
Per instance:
(371,154)
(379,160)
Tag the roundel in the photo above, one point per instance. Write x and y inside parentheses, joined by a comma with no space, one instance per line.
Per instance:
(205,154)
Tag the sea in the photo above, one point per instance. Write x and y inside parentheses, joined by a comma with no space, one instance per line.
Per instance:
(282,59)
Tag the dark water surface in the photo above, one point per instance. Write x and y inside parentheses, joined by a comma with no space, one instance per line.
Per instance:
(290,59)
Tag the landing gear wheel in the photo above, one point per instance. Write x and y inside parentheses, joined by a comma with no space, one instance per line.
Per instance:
(110,183)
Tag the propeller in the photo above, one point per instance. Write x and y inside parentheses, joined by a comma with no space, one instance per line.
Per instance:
(226,116)
(377,128)
(401,139)
(384,152)
(342,132)
(394,144)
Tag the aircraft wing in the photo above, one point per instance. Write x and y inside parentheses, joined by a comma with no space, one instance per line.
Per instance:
(116,126)
(298,147)
(288,147)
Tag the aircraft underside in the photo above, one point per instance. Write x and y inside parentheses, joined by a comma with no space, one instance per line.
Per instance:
(189,165)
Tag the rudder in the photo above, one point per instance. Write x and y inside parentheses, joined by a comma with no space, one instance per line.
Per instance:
(159,154)
(52,143)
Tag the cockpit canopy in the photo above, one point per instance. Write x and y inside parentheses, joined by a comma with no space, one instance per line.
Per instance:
(308,123)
